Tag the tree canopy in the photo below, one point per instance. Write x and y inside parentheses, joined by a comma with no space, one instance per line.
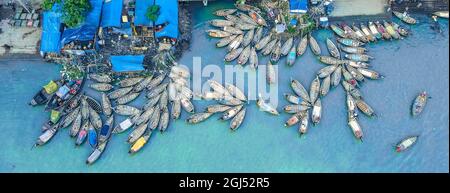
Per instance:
(153,13)
(74,11)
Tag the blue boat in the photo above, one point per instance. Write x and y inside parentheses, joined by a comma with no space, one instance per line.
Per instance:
(92,136)
(106,130)
(291,56)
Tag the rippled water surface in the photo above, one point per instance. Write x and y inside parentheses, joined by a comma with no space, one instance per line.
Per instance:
(262,144)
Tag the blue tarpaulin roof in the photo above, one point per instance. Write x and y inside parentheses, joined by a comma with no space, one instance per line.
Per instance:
(111,13)
(86,31)
(298,6)
(51,30)
(168,14)
(127,63)
(139,15)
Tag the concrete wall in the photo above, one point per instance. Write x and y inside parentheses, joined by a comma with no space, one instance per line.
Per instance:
(344,8)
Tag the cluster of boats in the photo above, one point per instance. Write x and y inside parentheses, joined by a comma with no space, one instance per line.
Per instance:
(231,103)
(245,33)
(82,113)
(371,32)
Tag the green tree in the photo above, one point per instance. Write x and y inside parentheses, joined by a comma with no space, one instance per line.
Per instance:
(153,14)
(74,11)
(48,4)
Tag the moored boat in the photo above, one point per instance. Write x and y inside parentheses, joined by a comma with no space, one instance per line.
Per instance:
(332,48)
(106,130)
(338,31)
(95,155)
(374,31)
(402,31)
(233,54)
(443,14)
(405,17)
(353,50)
(301,48)
(358,57)
(44,95)
(367,33)
(291,56)
(221,23)
(315,48)
(286,48)
(350,42)
(361,36)
(47,135)
(257,18)
(386,35)
(354,125)
(218,33)
(140,143)
(224,12)
(64,94)
(390,29)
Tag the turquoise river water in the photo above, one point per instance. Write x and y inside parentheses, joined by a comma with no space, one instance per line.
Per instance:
(262,143)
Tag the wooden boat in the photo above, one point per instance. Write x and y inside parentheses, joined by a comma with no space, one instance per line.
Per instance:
(353,50)
(358,57)
(402,31)
(361,36)
(47,135)
(64,94)
(406,143)
(220,23)
(383,31)
(404,17)
(419,103)
(373,29)
(94,104)
(257,18)
(245,7)
(92,136)
(367,32)
(349,31)
(350,42)
(44,95)
(338,31)
(354,125)
(390,29)
(106,130)
(315,48)
(224,12)
(218,33)
(291,56)
(443,14)
(140,142)
(96,153)
(332,48)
